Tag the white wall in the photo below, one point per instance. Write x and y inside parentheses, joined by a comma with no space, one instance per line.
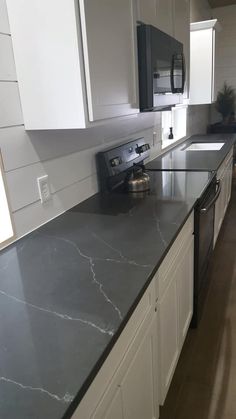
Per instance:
(198,119)
(200,10)
(226,50)
(68,157)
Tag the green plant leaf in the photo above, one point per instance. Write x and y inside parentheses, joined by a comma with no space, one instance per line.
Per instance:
(225,102)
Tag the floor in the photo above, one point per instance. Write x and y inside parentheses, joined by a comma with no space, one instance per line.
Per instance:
(204,384)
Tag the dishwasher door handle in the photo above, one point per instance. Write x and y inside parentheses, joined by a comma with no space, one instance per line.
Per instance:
(211,203)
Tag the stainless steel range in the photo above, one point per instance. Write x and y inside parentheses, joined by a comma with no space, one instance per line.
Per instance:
(123,165)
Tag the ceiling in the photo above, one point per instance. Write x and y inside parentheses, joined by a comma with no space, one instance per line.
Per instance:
(221,3)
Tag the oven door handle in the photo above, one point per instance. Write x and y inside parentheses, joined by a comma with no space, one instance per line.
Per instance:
(211,203)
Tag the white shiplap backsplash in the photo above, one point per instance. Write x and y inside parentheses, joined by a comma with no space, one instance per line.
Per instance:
(68,156)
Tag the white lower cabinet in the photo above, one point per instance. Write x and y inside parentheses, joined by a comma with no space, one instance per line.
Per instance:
(126,386)
(176,305)
(133,390)
(224,174)
(185,291)
(168,338)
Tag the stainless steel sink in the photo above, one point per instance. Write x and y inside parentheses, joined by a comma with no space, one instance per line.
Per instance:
(204,147)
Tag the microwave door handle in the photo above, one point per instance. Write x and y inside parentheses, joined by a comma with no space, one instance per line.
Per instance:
(211,203)
(172,79)
(172,82)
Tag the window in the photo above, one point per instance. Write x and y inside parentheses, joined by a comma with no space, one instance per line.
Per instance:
(177,119)
(6,228)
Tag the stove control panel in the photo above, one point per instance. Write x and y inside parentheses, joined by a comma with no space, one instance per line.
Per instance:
(114,162)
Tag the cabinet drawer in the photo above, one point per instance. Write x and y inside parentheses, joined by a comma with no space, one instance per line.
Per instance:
(139,319)
(169,263)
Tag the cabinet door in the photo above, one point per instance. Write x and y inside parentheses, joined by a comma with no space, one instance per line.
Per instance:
(185,291)
(165,18)
(139,388)
(182,34)
(229,180)
(133,391)
(168,337)
(202,66)
(218,215)
(147,11)
(158,13)
(109,44)
(224,182)
(217,220)
(111,407)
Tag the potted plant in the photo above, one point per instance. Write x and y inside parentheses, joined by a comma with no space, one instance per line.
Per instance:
(225,103)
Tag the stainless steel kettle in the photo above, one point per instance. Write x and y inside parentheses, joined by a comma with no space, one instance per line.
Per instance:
(137,180)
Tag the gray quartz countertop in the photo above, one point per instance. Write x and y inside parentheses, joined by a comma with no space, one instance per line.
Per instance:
(68,289)
(180,159)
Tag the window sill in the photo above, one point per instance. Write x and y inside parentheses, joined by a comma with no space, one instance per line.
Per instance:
(168,143)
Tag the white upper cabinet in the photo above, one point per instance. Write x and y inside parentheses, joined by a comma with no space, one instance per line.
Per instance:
(75,61)
(202,62)
(4,24)
(147,11)
(165,16)
(109,42)
(158,13)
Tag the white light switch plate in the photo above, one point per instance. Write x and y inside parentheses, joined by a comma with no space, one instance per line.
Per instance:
(44,188)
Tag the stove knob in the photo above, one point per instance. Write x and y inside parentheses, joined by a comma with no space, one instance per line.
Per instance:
(116,161)
(142,148)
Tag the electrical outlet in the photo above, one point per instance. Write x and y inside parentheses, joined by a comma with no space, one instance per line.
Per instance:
(44,188)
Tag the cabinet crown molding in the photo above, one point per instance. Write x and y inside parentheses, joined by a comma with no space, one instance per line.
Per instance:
(206,24)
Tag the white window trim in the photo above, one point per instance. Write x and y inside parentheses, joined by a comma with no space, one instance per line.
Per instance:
(166,142)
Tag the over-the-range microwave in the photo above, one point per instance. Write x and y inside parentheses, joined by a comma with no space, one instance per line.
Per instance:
(161,69)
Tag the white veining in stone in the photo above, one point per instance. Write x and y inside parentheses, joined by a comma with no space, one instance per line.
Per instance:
(124,258)
(92,270)
(160,232)
(67,398)
(157,221)
(61,316)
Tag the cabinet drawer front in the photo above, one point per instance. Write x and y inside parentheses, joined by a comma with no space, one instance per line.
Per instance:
(139,319)
(169,263)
